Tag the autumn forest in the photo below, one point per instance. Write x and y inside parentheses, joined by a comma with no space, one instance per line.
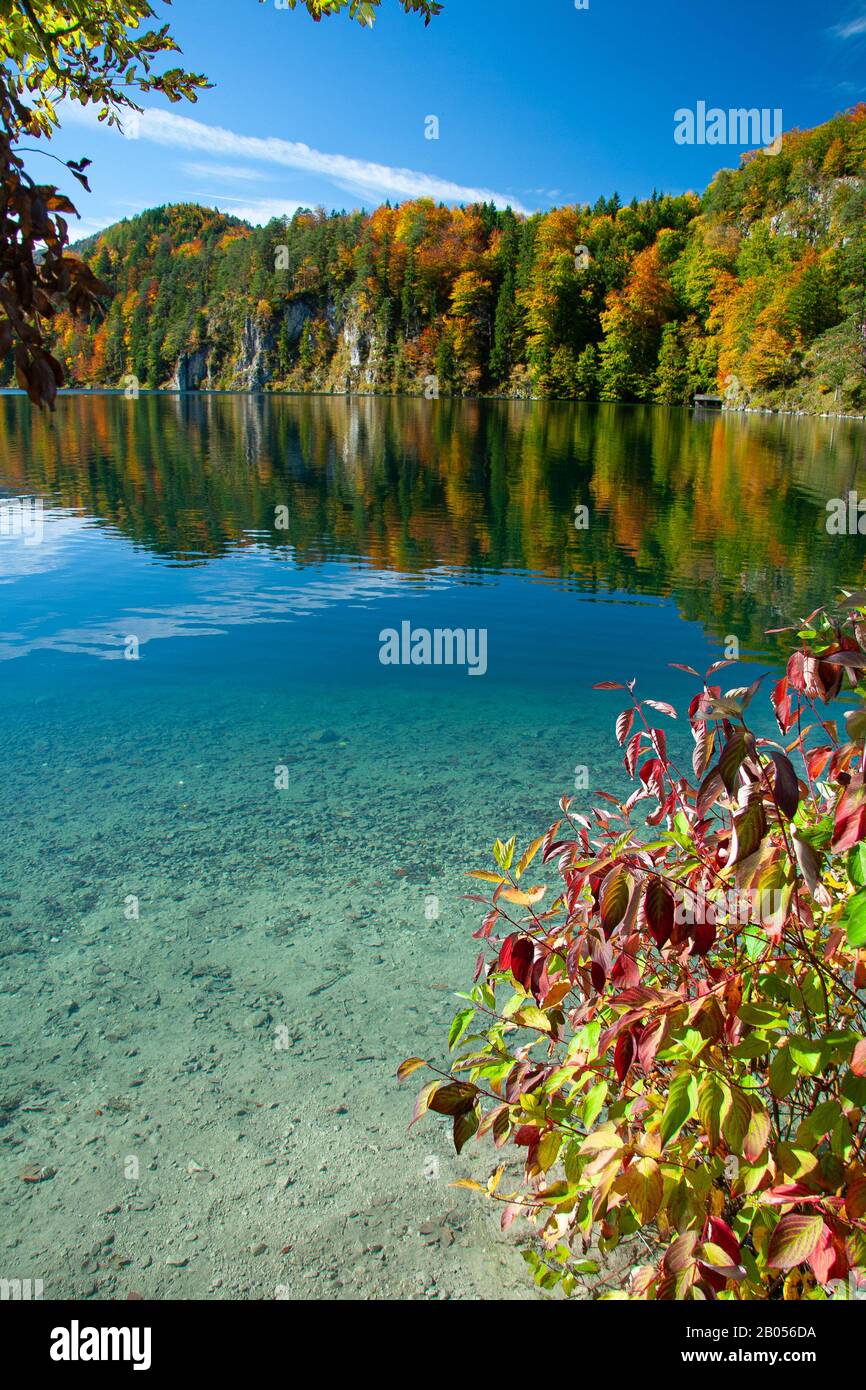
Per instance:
(755,290)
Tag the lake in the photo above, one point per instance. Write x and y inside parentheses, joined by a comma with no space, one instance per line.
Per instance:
(236,838)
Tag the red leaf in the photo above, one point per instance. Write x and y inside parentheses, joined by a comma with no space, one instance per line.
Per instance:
(660,743)
(539,978)
(512,1210)
(452,1098)
(750,827)
(623,1056)
(783,706)
(786,791)
(817,759)
(738,748)
(703,937)
(719,1233)
(652,775)
(522,959)
(794,672)
(659,910)
(662,706)
(650,1041)
(623,725)
(850,827)
(505,951)
(600,956)
(632,753)
(526,1135)
(823,1257)
(709,792)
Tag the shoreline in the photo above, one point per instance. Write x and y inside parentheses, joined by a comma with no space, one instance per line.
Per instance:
(411,396)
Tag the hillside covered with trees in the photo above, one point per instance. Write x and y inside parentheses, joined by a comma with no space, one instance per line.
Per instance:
(756,289)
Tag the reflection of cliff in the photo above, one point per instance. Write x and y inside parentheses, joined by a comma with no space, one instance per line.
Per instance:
(727,514)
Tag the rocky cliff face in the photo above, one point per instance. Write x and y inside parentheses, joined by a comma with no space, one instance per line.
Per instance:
(359,359)
(245,360)
(256,355)
(192,372)
(259,355)
(253,367)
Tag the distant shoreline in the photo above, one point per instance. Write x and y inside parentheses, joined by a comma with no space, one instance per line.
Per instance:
(409,396)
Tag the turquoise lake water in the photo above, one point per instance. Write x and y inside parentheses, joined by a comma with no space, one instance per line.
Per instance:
(235,842)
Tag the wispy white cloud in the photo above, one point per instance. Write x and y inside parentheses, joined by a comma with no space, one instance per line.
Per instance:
(853,29)
(358,176)
(222,171)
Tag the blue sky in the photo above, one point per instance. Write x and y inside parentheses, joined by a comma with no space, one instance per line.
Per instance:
(538,103)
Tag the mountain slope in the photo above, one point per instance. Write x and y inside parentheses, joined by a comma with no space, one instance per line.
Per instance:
(757,289)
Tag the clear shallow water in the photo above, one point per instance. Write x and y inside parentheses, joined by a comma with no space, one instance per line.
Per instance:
(283,958)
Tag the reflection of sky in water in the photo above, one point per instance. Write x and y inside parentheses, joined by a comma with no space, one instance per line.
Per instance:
(159,522)
(86,590)
(54,574)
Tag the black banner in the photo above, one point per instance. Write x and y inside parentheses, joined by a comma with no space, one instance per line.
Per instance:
(80,1340)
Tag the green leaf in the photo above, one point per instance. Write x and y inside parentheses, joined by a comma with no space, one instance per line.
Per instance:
(793,1241)
(754,942)
(820,1122)
(856,865)
(755,1045)
(795,1162)
(783,1074)
(459,1025)
(737,1120)
(758,1133)
(594,1104)
(854,918)
(714,1100)
(548,1150)
(504,853)
(531,1017)
(807,1054)
(762,1016)
(644,1187)
(681,1105)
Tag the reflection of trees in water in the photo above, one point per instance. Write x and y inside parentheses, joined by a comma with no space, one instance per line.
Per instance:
(726,512)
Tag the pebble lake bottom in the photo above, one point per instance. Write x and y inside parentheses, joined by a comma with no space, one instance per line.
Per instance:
(235,846)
